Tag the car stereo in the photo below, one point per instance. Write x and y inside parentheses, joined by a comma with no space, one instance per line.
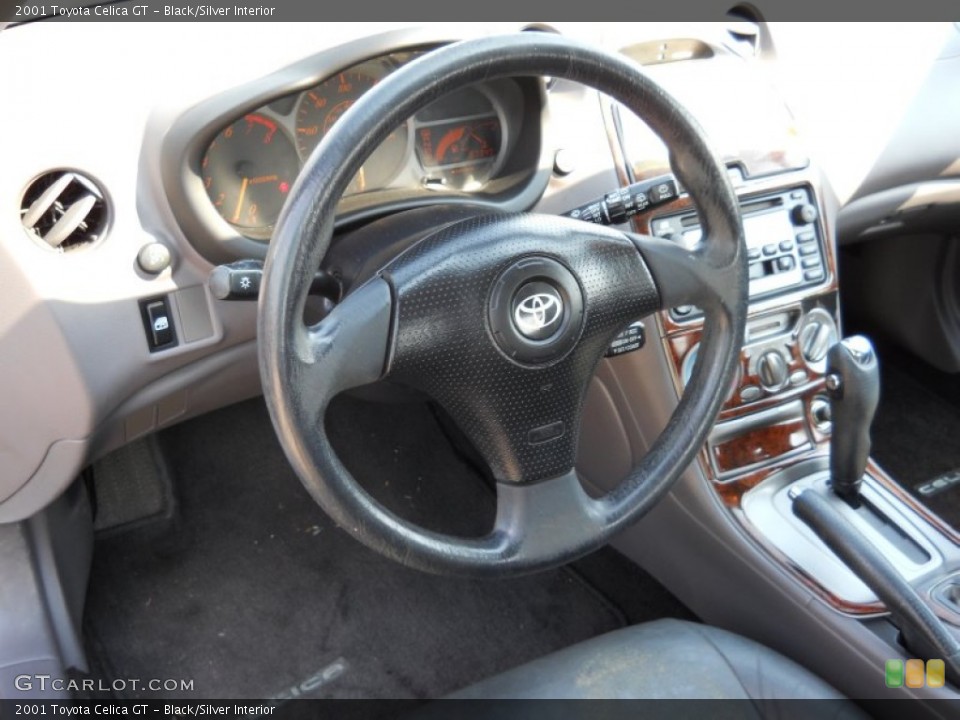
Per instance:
(783,238)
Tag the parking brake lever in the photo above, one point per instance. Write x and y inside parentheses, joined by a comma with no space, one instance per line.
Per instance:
(853,382)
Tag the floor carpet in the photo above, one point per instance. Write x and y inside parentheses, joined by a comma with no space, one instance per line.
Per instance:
(248,590)
(916,431)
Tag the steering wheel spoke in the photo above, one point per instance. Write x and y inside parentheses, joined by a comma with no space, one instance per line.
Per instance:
(689,276)
(543,519)
(347,349)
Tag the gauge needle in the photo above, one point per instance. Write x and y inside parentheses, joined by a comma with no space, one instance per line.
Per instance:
(243,191)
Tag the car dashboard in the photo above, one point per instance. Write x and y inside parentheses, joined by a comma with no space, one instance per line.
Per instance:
(171,153)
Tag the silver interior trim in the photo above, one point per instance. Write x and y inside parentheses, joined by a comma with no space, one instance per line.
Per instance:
(768,507)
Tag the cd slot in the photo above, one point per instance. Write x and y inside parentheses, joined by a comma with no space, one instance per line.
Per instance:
(756,206)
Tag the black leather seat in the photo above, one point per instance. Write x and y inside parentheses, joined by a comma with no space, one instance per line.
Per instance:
(668,659)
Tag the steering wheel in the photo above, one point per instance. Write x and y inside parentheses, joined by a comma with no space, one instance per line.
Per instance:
(501,319)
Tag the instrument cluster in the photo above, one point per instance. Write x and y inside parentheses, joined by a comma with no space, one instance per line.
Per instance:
(456,145)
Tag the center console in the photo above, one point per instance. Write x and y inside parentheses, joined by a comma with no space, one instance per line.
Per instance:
(773,435)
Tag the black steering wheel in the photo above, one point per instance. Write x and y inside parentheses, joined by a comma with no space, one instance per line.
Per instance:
(501,319)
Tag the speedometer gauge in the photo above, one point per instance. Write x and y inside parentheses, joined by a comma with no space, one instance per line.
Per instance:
(322,106)
(247,171)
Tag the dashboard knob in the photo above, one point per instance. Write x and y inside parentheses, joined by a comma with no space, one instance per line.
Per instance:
(804,214)
(820,412)
(772,369)
(815,339)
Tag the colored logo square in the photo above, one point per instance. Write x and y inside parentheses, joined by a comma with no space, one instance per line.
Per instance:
(915,673)
(894,673)
(936,673)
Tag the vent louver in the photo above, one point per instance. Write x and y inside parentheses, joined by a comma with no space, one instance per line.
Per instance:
(64,210)
(745,31)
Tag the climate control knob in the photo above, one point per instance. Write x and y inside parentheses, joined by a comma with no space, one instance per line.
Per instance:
(772,369)
(815,340)
(816,334)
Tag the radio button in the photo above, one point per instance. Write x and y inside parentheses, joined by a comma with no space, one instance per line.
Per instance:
(662,228)
(811,275)
(810,262)
(805,237)
(786,245)
(753,253)
(786,263)
(770,249)
(807,250)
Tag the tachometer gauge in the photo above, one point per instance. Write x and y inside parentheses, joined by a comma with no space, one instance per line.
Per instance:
(247,172)
(322,106)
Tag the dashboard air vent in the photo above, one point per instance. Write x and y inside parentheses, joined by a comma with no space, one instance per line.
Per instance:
(745,29)
(64,210)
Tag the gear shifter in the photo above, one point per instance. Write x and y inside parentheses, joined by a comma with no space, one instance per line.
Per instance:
(853,381)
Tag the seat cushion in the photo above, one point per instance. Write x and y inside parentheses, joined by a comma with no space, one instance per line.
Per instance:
(666,659)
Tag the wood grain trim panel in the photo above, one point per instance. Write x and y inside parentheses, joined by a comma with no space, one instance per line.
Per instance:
(760,445)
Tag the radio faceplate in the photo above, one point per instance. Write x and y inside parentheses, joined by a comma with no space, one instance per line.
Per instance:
(783,238)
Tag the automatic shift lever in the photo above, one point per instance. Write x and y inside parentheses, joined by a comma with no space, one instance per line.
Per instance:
(853,381)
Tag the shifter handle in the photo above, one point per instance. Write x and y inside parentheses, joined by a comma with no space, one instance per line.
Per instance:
(853,382)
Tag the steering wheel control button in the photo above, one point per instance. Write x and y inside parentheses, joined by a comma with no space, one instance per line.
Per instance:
(546,433)
(536,310)
(158,323)
(154,258)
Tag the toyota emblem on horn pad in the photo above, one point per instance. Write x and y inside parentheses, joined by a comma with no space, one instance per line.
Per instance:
(538,315)
(535,311)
